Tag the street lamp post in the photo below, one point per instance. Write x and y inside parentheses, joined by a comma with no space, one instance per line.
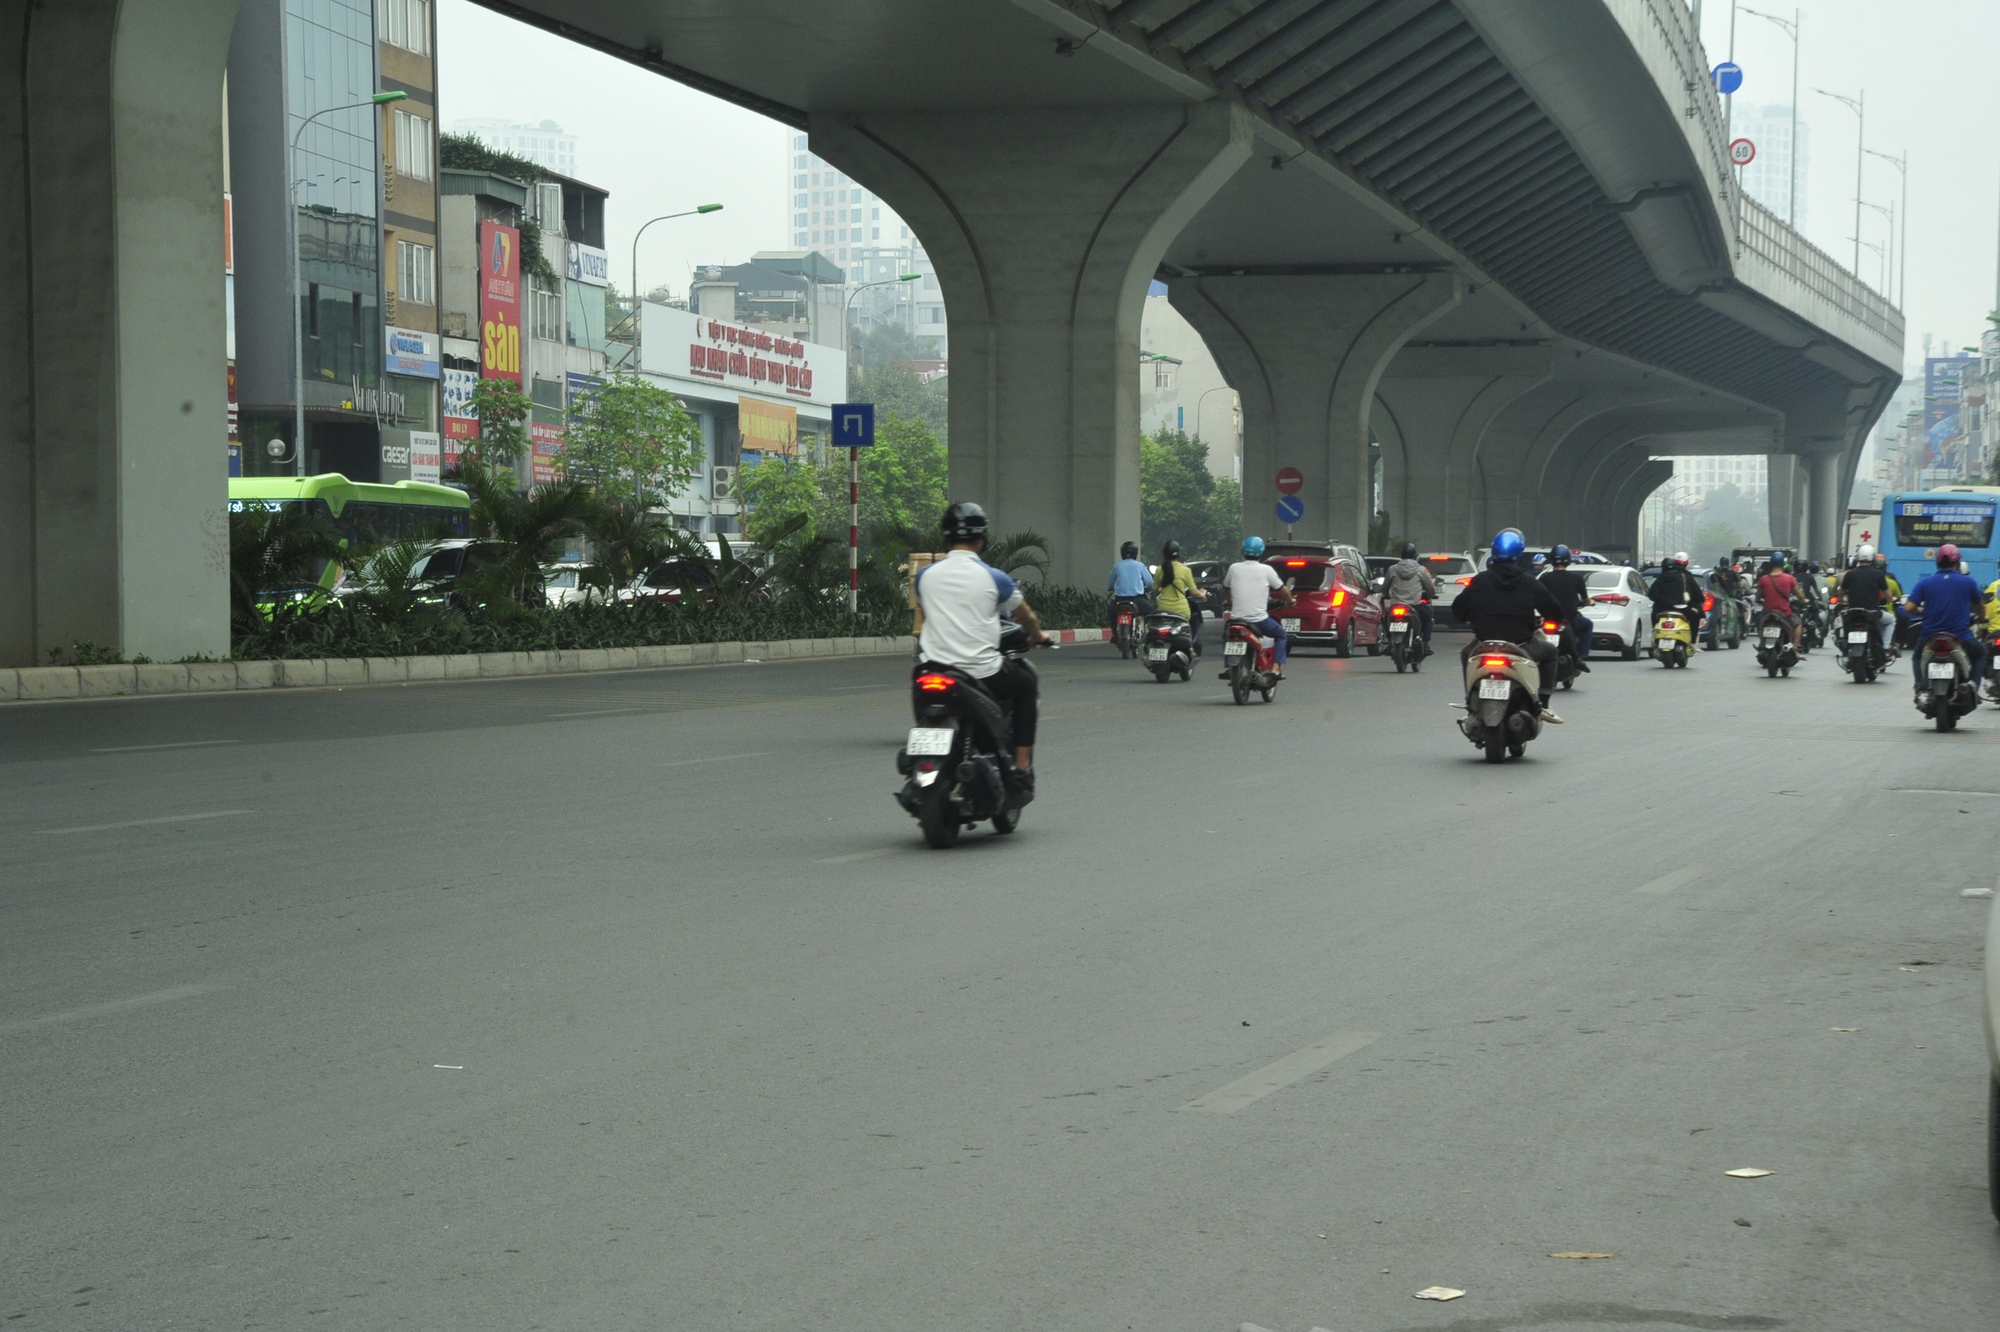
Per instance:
(1888,255)
(298,312)
(1791,27)
(1219,388)
(1859,106)
(1902,165)
(633,327)
(854,459)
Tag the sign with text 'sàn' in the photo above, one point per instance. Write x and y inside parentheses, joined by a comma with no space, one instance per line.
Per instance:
(853,425)
(768,427)
(499,302)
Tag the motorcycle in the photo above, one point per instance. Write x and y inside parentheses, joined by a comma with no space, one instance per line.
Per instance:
(1948,692)
(1501,686)
(1812,626)
(1775,652)
(1406,640)
(1993,670)
(1125,615)
(957,763)
(1251,661)
(1673,637)
(1861,643)
(1568,664)
(1168,646)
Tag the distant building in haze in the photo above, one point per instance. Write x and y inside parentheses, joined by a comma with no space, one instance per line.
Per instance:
(1768,179)
(547,145)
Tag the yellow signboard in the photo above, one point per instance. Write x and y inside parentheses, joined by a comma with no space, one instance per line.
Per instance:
(768,427)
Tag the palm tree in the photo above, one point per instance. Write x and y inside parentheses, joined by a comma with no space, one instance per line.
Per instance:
(627,541)
(272,551)
(1018,552)
(528,529)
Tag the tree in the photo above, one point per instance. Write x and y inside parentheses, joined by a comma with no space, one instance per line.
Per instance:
(1181,500)
(273,550)
(503,438)
(528,530)
(903,480)
(633,442)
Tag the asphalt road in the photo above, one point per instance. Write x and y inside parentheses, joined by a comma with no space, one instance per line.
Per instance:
(633,1001)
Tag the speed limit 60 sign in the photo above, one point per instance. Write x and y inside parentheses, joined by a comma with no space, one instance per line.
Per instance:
(1742,152)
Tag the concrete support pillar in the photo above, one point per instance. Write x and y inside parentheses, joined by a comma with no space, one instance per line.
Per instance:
(1524,485)
(1787,499)
(1599,520)
(1307,354)
(1046,226)
(1632,495)
(113,465)
(1436,402)
(1827,505)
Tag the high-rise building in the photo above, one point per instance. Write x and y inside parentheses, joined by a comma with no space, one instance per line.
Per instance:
(848,223)
(547,145)
(1768,179)
(333,205)
(1700,474)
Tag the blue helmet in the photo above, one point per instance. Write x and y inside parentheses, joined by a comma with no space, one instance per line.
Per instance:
(1560,555)
(1777,559)
(1253,547)
(1508,546)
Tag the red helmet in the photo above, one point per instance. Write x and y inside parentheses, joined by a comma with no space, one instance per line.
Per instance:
(1947,554)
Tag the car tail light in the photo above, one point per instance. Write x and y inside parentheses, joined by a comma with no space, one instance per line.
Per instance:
(1612,599)
(1495,663)
(1340,597)
(1708,603)
(935,684)
(1465,581)
(1295,564)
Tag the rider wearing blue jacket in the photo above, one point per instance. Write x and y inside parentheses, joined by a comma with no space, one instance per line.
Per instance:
(1949,600)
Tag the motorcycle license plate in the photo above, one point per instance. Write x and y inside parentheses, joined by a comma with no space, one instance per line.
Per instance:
(929,740)
(1156,654)
(1495,687)
(1398,627)
(1235,649)
(1857,636)
(1942,670)
(1291,626)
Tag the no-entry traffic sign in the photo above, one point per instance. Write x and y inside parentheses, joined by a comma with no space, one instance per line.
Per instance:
(1290,509)
(1291,481)
(1742,152)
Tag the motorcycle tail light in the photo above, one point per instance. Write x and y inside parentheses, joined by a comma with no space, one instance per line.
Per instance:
(1496,663)
(1399,612)
(935,684)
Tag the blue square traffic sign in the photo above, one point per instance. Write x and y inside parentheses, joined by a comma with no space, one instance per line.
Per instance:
(853,425)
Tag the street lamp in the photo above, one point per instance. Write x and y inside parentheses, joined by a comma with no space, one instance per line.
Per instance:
(299,314)
(664,217)
(1859,106)
(1889,255)
(1902,165)
(1791,27)
(1219,388)
(1881,259)
(848,309)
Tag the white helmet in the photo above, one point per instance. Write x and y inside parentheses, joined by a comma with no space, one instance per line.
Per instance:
(1865,554)
(1680,557)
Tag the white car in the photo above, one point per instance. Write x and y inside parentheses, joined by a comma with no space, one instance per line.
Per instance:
(565,584)
(1620,612)
(1452,570)
(1993,1055)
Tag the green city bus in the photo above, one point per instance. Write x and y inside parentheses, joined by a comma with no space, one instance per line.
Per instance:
(364,513)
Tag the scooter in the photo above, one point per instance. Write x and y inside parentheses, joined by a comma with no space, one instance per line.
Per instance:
(1673,637)
(1406,640)
(1568,666)
(1124,626)
(1168,646)
(1812,626)
(1775,652)
(958,762)
(1861,643)
(1501,685)
(1251,662)
(1947,692)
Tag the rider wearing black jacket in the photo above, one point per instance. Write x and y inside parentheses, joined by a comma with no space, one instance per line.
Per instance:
(1508,603)
(1674,587)
(1573,591)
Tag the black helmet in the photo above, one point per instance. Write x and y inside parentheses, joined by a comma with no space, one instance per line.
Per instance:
(1560,555)
(964,522)
(1409,550)
(1129,551)
(1173,551)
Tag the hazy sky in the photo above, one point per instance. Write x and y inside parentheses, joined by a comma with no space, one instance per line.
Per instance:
(1925,65)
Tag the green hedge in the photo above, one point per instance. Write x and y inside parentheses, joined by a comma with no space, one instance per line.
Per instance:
(342,630)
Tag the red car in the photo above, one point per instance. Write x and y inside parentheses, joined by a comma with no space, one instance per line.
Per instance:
(1334,605)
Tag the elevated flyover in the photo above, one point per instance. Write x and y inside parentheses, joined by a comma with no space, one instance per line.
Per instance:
(1497,244)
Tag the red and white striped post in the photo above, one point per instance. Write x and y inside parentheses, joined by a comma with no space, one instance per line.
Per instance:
(854,531)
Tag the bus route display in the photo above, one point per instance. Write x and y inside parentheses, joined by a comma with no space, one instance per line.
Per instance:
(1966,523)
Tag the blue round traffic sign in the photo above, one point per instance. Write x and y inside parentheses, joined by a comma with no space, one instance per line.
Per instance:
(1290,508)
(1728,77)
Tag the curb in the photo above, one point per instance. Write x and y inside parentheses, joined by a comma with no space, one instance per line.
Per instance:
(35,684)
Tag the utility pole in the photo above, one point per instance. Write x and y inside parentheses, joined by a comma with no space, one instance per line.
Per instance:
(1791,27)
(1902,165)
(1859,106)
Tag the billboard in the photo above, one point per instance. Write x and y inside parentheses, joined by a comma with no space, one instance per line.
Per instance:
(409,351)
(589,265)
(546,442)
(768,427)
(499,302)
(426,456)
(1944,436)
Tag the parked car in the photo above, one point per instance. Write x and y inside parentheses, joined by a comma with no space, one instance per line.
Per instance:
(439,571)
(1620,612)
(1334,606)
(566,586)
(1208,577)
(672,580)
